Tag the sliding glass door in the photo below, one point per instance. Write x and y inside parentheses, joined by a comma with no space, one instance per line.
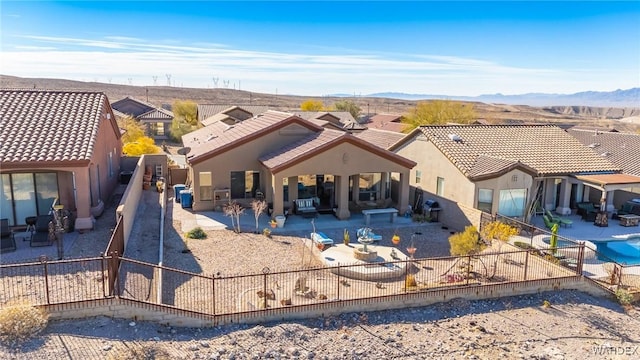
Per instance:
(27,194)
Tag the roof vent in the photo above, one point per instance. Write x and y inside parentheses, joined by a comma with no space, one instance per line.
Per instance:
(455,137)
(211,137)
(594,145)
(605,154)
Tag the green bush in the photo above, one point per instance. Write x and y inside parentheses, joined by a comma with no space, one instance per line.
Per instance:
(197,233)
(21,322)
(624,297)
(466,243)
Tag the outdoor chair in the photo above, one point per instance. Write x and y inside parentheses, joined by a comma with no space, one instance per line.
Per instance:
(548,223)
(558,219)
(42,236)
(7,240)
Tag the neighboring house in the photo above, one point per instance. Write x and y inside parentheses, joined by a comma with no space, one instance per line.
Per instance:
(342,120)
(229,114)
(509,169)
(156,121)
(388,122)
(57,145)
(264,155)
(622,149)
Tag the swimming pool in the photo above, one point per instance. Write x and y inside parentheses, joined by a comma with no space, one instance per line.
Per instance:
(623,249)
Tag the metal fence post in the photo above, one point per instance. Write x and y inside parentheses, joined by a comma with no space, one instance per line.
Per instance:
(338,277)
(468,268)
(265,271)
(526,264)
(43,260)
(213,287)
(580,259)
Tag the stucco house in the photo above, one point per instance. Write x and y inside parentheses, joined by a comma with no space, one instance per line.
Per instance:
(209,114)
(156,121)
(57,145)
(284,157)
(390,122)
(509,170)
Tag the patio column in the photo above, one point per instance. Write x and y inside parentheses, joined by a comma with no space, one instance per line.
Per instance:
(293,188)
(355,191)
(276,188)
(610,206)
(403,199)
(342,193)
(564,207)
(268,185)
(549,193)
(585,195)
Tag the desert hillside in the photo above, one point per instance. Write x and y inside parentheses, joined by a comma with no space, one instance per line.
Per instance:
(622,119)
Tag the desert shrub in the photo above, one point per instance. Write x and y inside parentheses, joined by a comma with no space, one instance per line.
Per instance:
(524,245)
(498,230)
(624,297)
(467,242)
(144,352)
(21,322)
(197,233)
(421,218)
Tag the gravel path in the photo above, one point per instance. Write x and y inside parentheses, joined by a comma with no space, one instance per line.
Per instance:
(575,326)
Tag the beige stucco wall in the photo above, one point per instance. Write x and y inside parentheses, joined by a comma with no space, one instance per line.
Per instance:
(514,179)
(433,164)
(242,158)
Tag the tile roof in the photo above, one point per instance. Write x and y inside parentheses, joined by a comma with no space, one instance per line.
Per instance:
(380,138)
(207,110)
(622,149)
(156,114)
(388,122)
(343,117)
(547,150)
(219,117)
(58,126)
(319,142)
(225,138)
(132,106)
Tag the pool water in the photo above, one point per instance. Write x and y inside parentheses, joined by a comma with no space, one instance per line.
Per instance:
(621,251)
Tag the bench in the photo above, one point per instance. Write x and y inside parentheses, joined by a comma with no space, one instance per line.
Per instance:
(305,207)
(367,214)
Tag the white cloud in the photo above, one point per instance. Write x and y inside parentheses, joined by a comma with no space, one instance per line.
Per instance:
(194,65)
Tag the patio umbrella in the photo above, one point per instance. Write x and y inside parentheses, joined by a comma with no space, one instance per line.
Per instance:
(554,238)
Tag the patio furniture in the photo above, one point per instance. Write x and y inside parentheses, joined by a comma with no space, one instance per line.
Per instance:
(42,236)
(548,223)
(558,219)
(367,214)
(320,238)
(7,240)
(629,220)
(587,211)
(305,207)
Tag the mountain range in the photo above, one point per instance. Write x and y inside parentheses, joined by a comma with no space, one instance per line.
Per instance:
(617,98)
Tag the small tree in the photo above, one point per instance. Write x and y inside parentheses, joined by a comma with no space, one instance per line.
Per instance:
(234,210)
(348,106)
(438,112)
(467,242)
(311,105)
(500,232)
(258,206)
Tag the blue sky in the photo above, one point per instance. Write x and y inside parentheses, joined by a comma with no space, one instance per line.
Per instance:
(317,47)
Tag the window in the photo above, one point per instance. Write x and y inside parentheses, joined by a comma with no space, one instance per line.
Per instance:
(370,186)
(160,129)
(512,202)
(418,176)
(110,164)
(485,200)
(244,184)
(440,187)
(206,191)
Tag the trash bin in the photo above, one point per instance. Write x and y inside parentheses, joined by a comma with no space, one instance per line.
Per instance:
(185,198)
(176,191)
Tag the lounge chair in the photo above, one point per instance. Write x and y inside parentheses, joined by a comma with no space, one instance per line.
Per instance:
(558,219)
(548,223)
(320,238)
(7,240)
(41,236)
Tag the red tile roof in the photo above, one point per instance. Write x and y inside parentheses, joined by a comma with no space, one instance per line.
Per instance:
(380,138)
(219,141)
(57,126)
